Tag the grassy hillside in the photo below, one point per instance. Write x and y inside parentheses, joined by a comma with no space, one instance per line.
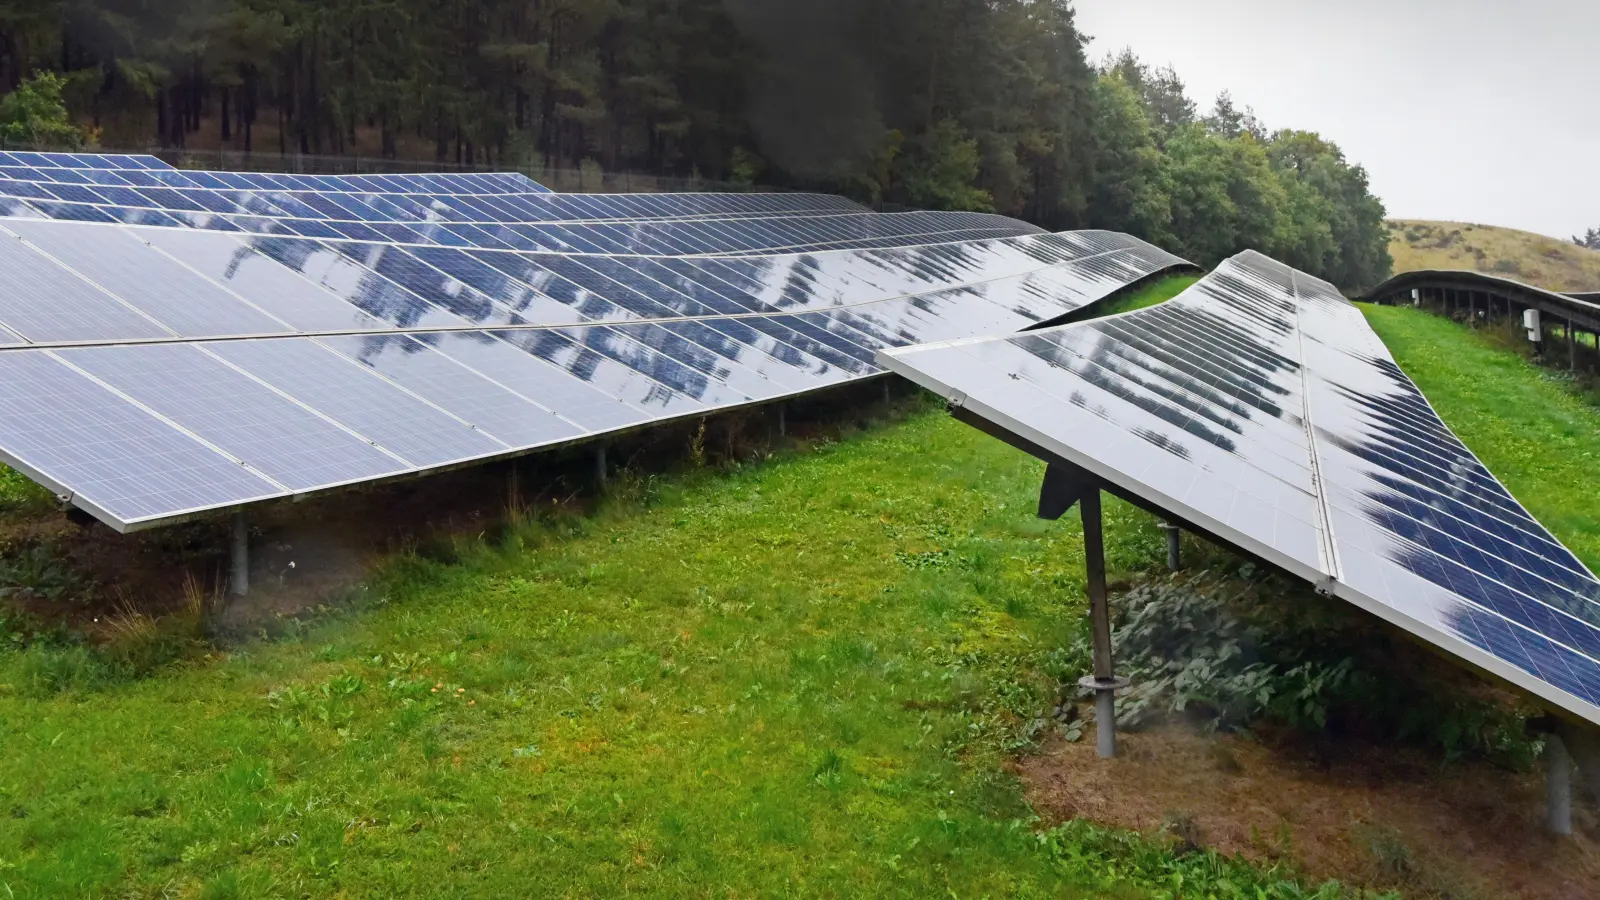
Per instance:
(1532,258)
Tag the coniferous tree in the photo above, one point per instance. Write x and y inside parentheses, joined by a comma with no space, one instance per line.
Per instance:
(952,104)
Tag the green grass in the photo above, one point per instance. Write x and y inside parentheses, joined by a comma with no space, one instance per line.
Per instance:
(18,491)
(1527,423)
(803,677)
(1154,293)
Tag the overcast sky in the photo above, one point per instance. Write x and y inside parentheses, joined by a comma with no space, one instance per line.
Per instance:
(1467,110)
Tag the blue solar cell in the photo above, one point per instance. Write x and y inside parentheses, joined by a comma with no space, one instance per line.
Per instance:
(106,453)
(492,408)
(272,285)
(395,419)
(264,430)
(150,282)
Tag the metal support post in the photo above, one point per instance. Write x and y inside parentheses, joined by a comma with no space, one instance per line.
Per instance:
(1583,745)
(1104,681)
(1572,347)
(783,420)
(1558,785)
(239,576)
(1174,546)
(888,398)
(600,472)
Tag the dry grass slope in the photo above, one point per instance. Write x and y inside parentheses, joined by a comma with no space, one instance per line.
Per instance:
(1532,258)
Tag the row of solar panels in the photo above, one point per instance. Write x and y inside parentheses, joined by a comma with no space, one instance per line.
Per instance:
(492,197)
(1260,407)
(123,169)
(690,224)
(106,161)
(358,198)
(261,214)
(74,282)
(141,433)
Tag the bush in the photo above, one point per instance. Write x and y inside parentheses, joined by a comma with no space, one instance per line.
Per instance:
(1508,267)
(36,115)
(1234,650)
(40,572)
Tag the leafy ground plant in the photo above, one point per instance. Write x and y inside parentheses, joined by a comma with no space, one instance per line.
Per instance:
(1231,650)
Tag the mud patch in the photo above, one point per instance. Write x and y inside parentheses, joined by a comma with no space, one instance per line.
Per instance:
(1366,815)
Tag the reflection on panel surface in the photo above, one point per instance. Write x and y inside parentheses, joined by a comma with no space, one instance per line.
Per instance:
(1261,406)
(485,211)
(271,335)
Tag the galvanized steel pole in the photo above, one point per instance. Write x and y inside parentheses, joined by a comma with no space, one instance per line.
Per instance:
(1104,682)
(1558,785)
(239,576)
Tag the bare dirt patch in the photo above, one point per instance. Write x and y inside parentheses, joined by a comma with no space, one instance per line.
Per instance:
(1372,816)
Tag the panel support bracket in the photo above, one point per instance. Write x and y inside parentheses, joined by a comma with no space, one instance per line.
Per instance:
(1064,485)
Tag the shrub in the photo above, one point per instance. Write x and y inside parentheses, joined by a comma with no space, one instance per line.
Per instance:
(35,114)
(40,572)
(1234,650)
(1507,267)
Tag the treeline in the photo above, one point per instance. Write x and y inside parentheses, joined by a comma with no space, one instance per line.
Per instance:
(957,104)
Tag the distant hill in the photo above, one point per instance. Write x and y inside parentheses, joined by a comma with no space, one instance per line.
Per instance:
(1531,258)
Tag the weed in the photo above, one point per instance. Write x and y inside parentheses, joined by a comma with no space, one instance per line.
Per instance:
(18,492)
(41,572)
(1235,649)
(1398,865)
(1119,859)
(1185,832)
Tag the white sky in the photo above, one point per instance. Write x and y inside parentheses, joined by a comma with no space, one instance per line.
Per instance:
(1467,110)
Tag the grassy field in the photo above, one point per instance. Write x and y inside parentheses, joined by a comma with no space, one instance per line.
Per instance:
(805,677)
(1525,422)
(1546,262)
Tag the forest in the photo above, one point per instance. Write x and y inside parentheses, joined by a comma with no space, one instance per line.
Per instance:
(987,105)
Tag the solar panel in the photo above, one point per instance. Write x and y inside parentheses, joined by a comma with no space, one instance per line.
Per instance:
(293,365)
(266,335)
(1259,407)
(469,210)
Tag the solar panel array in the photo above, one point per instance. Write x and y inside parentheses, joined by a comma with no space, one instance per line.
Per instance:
(151,373)
(493,211)
(1261,407)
